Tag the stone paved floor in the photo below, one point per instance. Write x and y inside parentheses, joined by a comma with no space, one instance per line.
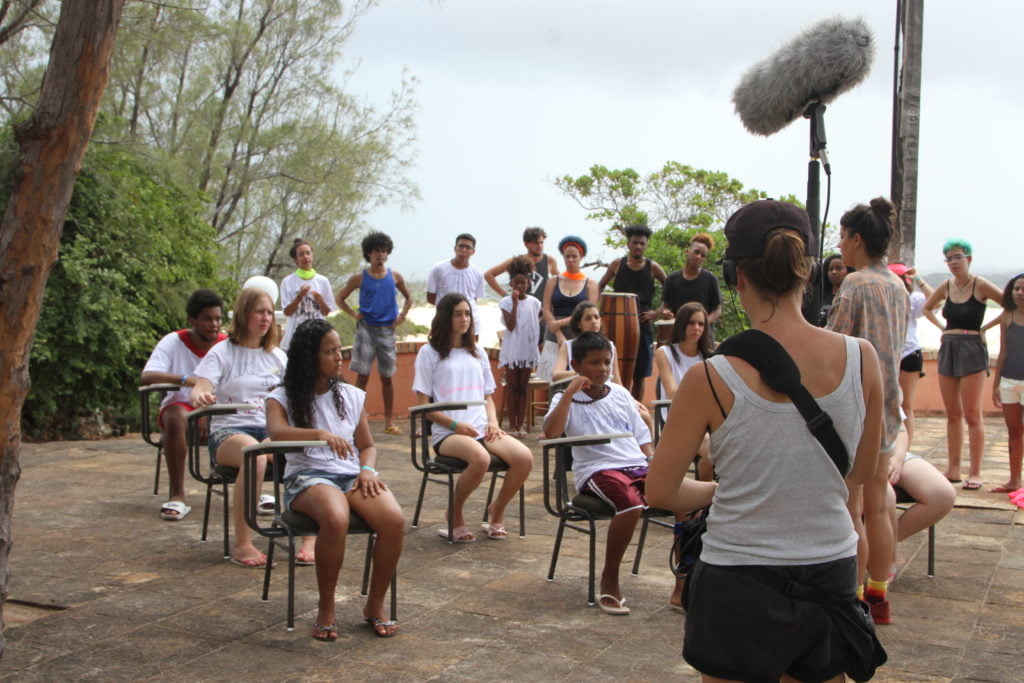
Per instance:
(101,588)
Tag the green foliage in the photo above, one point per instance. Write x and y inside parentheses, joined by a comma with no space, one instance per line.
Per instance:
(676,201)
(133,249)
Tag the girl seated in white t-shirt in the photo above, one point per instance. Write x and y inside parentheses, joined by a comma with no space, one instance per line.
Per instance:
(242,369)
(450,367)
(315,404)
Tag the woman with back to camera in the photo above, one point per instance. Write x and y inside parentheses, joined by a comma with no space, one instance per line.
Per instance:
(963,358)
(305,294)
(873,304)
(779,514)
(450,367)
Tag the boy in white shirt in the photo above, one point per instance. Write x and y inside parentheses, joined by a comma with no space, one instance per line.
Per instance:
(458,275)
(615,472)
(174,361)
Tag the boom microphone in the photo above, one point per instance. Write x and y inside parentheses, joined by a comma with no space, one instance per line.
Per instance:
(827,59)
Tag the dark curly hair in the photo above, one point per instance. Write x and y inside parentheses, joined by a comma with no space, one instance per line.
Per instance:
(203,298)
(520,265)
(440,337)
(302,371)
(376,240)
(1008,302)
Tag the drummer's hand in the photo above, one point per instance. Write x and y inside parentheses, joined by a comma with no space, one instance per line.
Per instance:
(649,316)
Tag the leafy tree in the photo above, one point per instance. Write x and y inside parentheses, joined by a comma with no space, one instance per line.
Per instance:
(134,247)
(676,202)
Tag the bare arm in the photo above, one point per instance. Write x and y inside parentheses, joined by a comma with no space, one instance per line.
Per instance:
(609,274)
(294,303)
(659,272)
(715,314)
(154,377)
(554,423)
(1004,322)
(403,289)
(351,285)
(552,266)
(561,369)
(432,298)
(439,418)
(202,393)
(933,302)
(664,372)
(491,276)
(867,450)
(593,291)
(989,291)
(509,317)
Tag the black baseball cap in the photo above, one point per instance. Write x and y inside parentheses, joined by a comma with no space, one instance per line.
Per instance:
(748,228)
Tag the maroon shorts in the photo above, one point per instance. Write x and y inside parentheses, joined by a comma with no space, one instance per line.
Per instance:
(622,489)
(160,418)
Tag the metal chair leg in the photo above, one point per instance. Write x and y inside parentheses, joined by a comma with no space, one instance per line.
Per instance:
(640,546)
(206,512)
(556,549)
(419,502)
(591,600)
(156,475)
(931,551)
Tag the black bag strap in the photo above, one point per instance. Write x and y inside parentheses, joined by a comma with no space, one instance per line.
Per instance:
(779,371)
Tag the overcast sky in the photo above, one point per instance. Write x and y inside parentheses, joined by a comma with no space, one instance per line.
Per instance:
(514,93)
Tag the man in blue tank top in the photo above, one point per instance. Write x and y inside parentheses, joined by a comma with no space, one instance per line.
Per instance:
(376,319)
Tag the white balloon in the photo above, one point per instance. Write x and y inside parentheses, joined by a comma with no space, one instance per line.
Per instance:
(263,283)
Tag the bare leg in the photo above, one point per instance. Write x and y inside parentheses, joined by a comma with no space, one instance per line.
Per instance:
(949,387)
(934,495)
(637,388)
(478,460)
(1014,418)
(230,454)
(362,381)
(387,392)
(520,462)
(330,508)
(175,449)
(620,532)
(970,395)
(908,384)
(855,504)
(877,521)
(383,514)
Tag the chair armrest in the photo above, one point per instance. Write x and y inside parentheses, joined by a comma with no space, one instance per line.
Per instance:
(165,386)
(282,446)
(250,501)
(560,385)
(584,440)
(661,403)
(444,405)
(219,409)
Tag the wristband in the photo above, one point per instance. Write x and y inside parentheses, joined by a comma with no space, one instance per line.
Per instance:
(454,425)
(184,378)
(367,467)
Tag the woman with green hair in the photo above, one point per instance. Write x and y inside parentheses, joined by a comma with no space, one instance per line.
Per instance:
(963,357)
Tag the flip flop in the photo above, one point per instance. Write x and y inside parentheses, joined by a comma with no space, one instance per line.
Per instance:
(618,609)
(461,533)
(304,559)
(953,481)
(495,532)
(259,562)
(971,485)
(383,629)
(174,510)
(266,505)
(678,609)
(393,430)
(327,634)
(1002,488)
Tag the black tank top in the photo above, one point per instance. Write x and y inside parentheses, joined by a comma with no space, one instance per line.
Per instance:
(639,282)
(968,315)
(539,278)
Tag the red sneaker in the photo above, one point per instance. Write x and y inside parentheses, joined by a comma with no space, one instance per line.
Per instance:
(881,612)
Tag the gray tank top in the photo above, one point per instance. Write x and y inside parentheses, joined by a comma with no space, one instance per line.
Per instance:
(1013,364)
(780,498)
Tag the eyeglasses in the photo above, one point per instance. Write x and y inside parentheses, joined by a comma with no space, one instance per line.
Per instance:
(955,257)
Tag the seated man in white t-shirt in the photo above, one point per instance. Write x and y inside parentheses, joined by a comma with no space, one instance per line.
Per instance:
(173,361)
(615,472)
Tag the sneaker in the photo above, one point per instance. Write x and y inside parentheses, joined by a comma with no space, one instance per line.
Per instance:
(881,612)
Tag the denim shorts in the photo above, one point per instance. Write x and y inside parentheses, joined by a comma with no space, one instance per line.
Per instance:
(221,435)
(303,479)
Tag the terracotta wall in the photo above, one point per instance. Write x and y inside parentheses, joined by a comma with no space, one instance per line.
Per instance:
(927,402)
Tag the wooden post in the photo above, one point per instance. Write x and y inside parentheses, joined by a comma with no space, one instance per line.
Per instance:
(906,127)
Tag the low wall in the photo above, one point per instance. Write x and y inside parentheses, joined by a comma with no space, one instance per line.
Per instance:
(928,400)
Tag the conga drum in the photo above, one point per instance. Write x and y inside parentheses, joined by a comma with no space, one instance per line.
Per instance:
(663,331)
(620,318)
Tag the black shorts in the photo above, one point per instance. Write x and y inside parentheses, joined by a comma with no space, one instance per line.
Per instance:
(644,353)
(913,362)
(740,628)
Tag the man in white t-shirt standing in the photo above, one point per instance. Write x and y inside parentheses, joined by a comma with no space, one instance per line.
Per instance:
(458,275)
(172,362)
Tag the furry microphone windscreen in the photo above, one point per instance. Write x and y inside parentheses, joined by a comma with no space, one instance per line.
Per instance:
(825,60)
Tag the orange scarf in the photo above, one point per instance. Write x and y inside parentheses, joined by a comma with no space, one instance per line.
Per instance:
(573,276)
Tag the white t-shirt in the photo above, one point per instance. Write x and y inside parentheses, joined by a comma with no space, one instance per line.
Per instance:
(445,278)
(614,413)
(519,347)
(242,375)
(325,416)
(915,311)
(459,377)
(678,368)
(308,308)
(173,355)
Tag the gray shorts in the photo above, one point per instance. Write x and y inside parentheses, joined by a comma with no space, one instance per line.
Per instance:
(374,341)
(961,355)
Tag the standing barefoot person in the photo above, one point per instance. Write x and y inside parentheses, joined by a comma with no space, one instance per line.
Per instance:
(305,294)
(963,358)
(519,350)
(911,358)
(1008,385)
(376,320)
(327,484)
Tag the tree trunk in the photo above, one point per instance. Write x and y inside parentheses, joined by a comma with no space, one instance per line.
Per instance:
(50,149)
(906,129)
